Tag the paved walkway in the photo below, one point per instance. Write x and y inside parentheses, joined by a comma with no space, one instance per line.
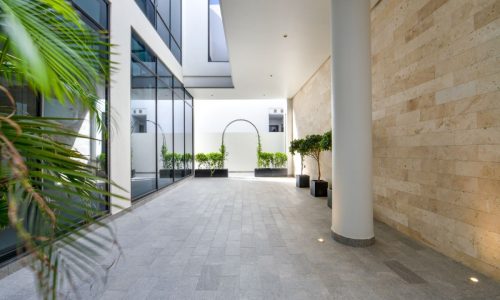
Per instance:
(243,238)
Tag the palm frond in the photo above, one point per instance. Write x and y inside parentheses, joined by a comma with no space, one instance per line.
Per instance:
(59,193)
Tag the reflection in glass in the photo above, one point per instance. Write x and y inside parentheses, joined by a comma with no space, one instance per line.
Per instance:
(179,130)
(188,120)
(165,124)
(143,130)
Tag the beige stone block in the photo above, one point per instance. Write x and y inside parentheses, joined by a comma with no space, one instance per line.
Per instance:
(468,152)
(408,118)
(459,122)
(427,178)
(489,118)
(488,186)
(488,101)
(438,166)
(430,8)
(437,112)
(481,136)
(403,186)
(437,139)
(487,15)
(457,92)
(458,183)
(489,153)
(487,244)
(489,83)
(484,68)
(488,170)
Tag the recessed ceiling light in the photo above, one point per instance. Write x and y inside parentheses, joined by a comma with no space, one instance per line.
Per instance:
(285,35)
(474,279)
(321,240)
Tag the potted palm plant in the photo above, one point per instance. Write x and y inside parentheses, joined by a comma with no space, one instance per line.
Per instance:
(313,144)
(297,147)
(46,46)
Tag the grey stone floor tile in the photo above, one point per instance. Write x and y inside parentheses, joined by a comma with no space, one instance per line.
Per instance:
(209,278)
(257,239)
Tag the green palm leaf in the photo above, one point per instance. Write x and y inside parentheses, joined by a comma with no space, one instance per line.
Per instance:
(48,190)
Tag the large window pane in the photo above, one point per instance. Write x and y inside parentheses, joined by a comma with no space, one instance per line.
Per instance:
(217,48)
(143,130)
(188,120)
(163,32)
(176,20)
(147,8)
(179,128)
(96,9)
(166,157)
(164,10)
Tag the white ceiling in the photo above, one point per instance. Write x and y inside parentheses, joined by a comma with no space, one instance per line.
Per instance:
(257,49)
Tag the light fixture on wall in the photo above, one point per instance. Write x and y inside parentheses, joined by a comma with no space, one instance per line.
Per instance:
(321,240)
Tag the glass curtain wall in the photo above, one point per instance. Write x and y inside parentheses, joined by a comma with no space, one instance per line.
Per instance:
(157,124)
(188,129)
(166,17)
(95,14)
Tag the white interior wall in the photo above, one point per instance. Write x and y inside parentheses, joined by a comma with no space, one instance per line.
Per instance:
(126,16)
(212,116)
(195,42)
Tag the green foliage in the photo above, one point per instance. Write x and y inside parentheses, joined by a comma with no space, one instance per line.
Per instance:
(314,148)
(44,44)
(202,160)
(101,160)
(280,159)
(215,160)
(265,159)
(272,160)
(298,146)
(326,141)
(50,178)
(188,158)
(212,161)
(224,154)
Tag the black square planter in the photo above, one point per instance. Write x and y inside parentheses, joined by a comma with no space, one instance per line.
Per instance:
(170,173)
(319,188)
(209,173)
(302,181)
(330,198)
(270,172)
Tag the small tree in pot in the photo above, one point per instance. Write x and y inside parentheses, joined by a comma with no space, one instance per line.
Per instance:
(297,146)
(314,144)
(326,144)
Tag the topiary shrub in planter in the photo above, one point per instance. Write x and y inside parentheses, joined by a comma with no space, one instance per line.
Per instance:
(315,144)
(271,165)
(210,165)
(297,147)
(173,164)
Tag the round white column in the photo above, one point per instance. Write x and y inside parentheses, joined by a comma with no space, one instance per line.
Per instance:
(352,210)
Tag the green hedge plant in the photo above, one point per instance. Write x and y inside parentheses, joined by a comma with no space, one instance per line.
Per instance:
(280,160)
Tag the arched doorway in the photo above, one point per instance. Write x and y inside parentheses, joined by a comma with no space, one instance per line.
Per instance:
(223,147)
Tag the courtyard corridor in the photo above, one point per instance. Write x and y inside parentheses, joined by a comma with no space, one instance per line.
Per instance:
(249,238)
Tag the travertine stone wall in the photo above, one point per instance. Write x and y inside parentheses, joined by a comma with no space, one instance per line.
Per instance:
(436,125)
(312,115)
